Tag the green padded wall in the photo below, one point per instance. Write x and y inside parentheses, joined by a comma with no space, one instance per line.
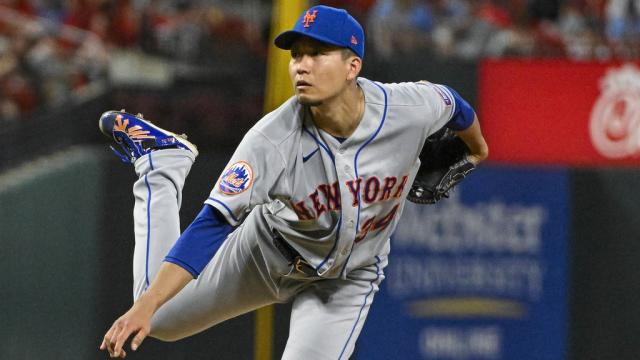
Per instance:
(49,219)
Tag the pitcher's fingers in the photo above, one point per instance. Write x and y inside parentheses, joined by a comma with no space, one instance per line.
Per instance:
(138,339)
(120,337)
(107,340)
(121,355)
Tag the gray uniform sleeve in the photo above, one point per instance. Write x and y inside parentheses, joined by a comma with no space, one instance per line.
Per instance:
(248,179)
(440,104)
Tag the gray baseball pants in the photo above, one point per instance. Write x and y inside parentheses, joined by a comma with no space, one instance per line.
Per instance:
(247,273)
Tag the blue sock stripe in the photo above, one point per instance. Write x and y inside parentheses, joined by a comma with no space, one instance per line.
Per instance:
(364,304)
(146,265)
(146,262)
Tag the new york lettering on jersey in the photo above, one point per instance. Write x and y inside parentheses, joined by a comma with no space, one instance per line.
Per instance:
(326,197)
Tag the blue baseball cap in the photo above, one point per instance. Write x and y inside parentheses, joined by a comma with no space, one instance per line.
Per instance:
(326,24)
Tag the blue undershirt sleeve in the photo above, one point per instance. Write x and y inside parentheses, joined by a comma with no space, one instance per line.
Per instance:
(463,114)
(200,241)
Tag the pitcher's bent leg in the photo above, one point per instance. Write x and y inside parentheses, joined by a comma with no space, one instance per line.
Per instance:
(158,195)
(238,279)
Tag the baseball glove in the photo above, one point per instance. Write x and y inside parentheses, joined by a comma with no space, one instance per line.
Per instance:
(444,164)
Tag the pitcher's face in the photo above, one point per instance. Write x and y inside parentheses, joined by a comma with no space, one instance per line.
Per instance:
(318,70)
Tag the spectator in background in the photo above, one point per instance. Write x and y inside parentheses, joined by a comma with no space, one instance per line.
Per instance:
(581,32)
(80,13)
(124,22)
(44,64)
(150,19)
(359,9)
(452,18)
(489,19)
(623,26)
(18,94)
(49,60)
(174,29)
(517,40)
(22,6)
(400,26)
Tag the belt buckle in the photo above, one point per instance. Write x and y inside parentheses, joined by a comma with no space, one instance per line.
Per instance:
(302,266)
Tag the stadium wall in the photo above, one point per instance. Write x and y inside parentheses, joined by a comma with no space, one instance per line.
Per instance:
(50,217)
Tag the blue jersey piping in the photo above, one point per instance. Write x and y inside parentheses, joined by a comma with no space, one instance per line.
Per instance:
(333,160)
(355,165)
(364,304)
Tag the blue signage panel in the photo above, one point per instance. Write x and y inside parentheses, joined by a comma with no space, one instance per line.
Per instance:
(482,275)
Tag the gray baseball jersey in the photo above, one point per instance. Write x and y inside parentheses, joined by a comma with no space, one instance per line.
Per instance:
(336,203)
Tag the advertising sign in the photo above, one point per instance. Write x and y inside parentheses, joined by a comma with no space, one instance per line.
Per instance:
(481,275)
(561,112)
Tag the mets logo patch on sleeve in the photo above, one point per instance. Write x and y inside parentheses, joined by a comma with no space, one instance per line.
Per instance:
(236,178)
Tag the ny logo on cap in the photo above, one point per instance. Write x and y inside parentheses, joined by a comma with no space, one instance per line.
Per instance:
(309,17)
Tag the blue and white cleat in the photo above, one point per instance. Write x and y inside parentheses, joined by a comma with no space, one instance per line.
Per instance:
(138,137)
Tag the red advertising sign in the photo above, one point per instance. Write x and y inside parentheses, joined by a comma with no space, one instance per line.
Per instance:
(561,112)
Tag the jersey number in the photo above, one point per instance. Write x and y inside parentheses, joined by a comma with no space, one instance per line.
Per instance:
(373,224)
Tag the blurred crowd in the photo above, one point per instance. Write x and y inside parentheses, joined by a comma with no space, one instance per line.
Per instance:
(472,29)
(53,50)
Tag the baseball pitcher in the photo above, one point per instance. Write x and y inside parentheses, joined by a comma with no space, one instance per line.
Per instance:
(305,208)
